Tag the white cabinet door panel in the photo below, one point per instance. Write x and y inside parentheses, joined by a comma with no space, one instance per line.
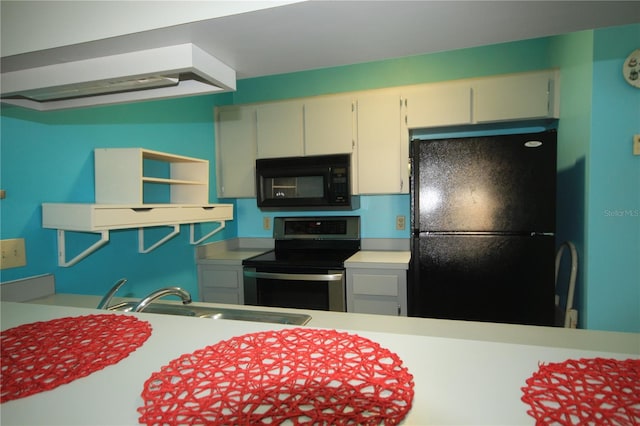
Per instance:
(442,104)
(380,144)
(513,97)
(328,125)
(280,129)
(236,151)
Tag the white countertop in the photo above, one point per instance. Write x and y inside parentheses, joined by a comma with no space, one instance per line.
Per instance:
(458,379)
(379,259)
(231,257)
(233,253)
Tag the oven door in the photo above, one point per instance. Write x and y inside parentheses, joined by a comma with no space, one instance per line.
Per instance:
(319,290)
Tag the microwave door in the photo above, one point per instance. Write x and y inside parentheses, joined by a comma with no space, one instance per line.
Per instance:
(314,182)
(293,188)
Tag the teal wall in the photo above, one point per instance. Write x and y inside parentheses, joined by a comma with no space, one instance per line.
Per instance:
(573,54)
(47,157)
(613,181)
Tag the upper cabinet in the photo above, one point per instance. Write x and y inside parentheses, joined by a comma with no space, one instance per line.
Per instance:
(236,151)
(371,125)
(280,129)
(512,97)
(516,97)
(329,125)
(440,104)
(382,144)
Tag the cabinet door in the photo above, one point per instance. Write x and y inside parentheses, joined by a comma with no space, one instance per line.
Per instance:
(376,291)
(236,151)
(382,144)
(280,129)
(442,104)
(513,97)
(328,125)
(221,284)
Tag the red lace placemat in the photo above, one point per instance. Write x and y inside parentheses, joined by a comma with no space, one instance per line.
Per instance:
(299,375)
(594,391)
(43,355)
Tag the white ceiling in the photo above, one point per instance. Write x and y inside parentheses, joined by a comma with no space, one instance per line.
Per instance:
(318,34)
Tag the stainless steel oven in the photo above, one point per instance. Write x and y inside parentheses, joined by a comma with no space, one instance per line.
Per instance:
(323,290)
(306,268)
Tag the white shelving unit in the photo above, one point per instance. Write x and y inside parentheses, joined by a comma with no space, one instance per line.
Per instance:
(180,196)
(121,175)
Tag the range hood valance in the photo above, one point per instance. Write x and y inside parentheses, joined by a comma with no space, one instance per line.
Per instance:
(160,73)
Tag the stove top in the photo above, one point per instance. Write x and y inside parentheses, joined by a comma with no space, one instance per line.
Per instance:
(311,242)
(333,259)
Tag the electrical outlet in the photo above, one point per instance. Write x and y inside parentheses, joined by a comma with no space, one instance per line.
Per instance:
(636,144)
(266,223)
(400,223)
(12,253)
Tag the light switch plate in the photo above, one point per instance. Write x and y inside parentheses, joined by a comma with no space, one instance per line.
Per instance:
(266,223)
(400,223)
(12,253)
(636,144)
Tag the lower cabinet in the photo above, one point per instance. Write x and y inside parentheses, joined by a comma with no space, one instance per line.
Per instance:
(377,291)
(221,283)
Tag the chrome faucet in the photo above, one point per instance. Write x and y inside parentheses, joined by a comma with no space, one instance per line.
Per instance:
(177,291)
(104,303)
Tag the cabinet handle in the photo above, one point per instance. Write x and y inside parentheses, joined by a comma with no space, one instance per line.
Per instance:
(141,209)
(293,277)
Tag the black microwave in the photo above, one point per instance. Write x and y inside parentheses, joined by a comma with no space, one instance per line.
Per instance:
(320,182)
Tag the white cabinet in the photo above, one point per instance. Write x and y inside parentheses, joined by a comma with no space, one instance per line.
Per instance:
(137,176)
(439,104)
(377,291)
(521,96)
(329,125)
(382,144)
(221,283)
(236,151)
(280,129)
(377,120)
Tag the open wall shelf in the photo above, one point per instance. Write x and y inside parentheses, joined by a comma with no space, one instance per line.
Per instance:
(120,178)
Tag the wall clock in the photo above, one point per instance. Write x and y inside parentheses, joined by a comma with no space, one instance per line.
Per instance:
(631,68)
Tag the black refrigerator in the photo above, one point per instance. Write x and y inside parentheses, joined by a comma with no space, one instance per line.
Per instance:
(483,228)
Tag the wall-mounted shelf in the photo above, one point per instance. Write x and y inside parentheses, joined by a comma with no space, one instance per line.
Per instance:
(126,179)
(102,218)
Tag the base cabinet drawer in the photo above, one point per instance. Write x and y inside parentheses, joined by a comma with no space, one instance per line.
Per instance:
(221,284)
(377,291)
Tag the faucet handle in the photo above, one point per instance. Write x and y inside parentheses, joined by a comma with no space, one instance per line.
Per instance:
(104,303)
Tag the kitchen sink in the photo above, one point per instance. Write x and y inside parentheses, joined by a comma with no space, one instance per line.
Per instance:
(216,313)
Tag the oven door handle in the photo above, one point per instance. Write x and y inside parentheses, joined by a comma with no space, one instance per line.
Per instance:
(294,277)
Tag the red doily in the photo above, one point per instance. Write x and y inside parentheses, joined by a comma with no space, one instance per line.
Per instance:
(299,375)
(44,355)
(586,391)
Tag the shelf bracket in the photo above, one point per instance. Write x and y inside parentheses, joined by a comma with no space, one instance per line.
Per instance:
(62,254)
(141,249)
(215,231)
